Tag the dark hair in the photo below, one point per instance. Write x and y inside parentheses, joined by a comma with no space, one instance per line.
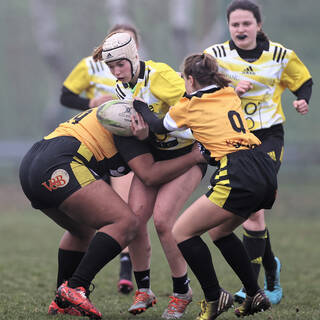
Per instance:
(125,27)
(248,6)
(204,69)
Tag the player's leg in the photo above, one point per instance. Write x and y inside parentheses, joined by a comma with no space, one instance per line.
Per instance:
(73,245)
(195,220)
(273,144)
(141,201)
(116,225)
(122,186)
(170,201)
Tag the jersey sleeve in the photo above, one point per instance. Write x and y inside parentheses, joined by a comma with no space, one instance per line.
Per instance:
(177,117)
(79,79)
(168,86)
(117,166)
(130,147)
(295,73)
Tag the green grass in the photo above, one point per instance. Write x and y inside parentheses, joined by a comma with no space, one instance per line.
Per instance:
(28,262)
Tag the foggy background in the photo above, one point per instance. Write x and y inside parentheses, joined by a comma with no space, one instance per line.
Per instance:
(42,40)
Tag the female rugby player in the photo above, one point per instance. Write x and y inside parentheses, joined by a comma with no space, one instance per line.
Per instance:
(96,82)
(62,176)
(260,70)
(245,181)
(160,86)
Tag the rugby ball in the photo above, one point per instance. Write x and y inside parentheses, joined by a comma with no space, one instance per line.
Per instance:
(115,116)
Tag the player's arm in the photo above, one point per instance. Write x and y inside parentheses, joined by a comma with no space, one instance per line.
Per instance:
(155,124)
(303,94)
(159,125)
(152,173)
(72,100)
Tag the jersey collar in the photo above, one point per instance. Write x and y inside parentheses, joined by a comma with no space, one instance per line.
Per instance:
(209,89)
(141,75)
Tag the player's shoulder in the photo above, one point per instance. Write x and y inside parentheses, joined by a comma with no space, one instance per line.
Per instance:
(161,70)
(218,50)
(96,67)
(158,66)
(279,51)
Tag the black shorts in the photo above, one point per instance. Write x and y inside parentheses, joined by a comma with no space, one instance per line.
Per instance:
(245,182)
(130,148)
(272,142)
(54,169)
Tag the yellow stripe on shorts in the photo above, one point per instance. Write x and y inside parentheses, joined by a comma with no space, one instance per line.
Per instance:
(83,175)
(220,194)
(222,189)
(85,152)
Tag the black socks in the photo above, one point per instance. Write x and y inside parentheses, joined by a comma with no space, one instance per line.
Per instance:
(142,279)
(102,249)
(198,257)
(68,262)
(235,254)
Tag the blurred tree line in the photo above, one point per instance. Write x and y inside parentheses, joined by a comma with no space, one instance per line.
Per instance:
(42,40)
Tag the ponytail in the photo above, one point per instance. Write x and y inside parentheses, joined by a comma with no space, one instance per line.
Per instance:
(204,69)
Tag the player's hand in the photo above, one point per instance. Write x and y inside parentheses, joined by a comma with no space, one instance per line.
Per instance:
(139,127)
(301,106)
(242,87)
(139,99)
(95,102)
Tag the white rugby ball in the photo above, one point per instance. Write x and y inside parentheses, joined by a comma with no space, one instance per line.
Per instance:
(115,116)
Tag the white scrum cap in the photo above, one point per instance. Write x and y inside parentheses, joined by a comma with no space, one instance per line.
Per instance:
(121,46)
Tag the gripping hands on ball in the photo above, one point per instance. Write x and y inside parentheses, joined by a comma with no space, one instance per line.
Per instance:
(139,127)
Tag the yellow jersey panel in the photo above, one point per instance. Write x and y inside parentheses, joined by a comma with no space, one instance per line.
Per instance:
(160,87)
(276,69)
(92,78)
(216,120)
(86,128)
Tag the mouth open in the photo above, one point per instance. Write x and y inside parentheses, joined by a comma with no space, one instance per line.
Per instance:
(241,36)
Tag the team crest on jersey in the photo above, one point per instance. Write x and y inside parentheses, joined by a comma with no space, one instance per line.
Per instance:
(59,179)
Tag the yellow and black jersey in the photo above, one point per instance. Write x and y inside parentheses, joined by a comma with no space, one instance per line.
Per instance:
(276,69)
(216,119)
(86,128)
(92,78)
(160,87)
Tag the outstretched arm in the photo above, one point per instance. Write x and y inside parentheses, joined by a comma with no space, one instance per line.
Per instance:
(155,124)
(153,173)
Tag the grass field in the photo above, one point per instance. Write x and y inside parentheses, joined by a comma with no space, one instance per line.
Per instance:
(28,263)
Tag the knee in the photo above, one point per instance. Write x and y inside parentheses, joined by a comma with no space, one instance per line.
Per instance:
(255,221)
(83,235)
(162,226)
(131,227)
(177,234)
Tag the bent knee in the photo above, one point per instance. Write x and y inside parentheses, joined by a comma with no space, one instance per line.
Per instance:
(162,227)
(178,234)
(255,221)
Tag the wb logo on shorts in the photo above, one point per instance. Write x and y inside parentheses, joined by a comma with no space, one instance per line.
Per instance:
(59,179)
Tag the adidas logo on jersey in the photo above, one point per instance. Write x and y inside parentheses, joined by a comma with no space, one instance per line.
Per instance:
(248,70)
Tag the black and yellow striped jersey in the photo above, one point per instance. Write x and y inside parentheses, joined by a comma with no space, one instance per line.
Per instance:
(160,87)
(216,119)
(92,78)
(275,70)
(86,128)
